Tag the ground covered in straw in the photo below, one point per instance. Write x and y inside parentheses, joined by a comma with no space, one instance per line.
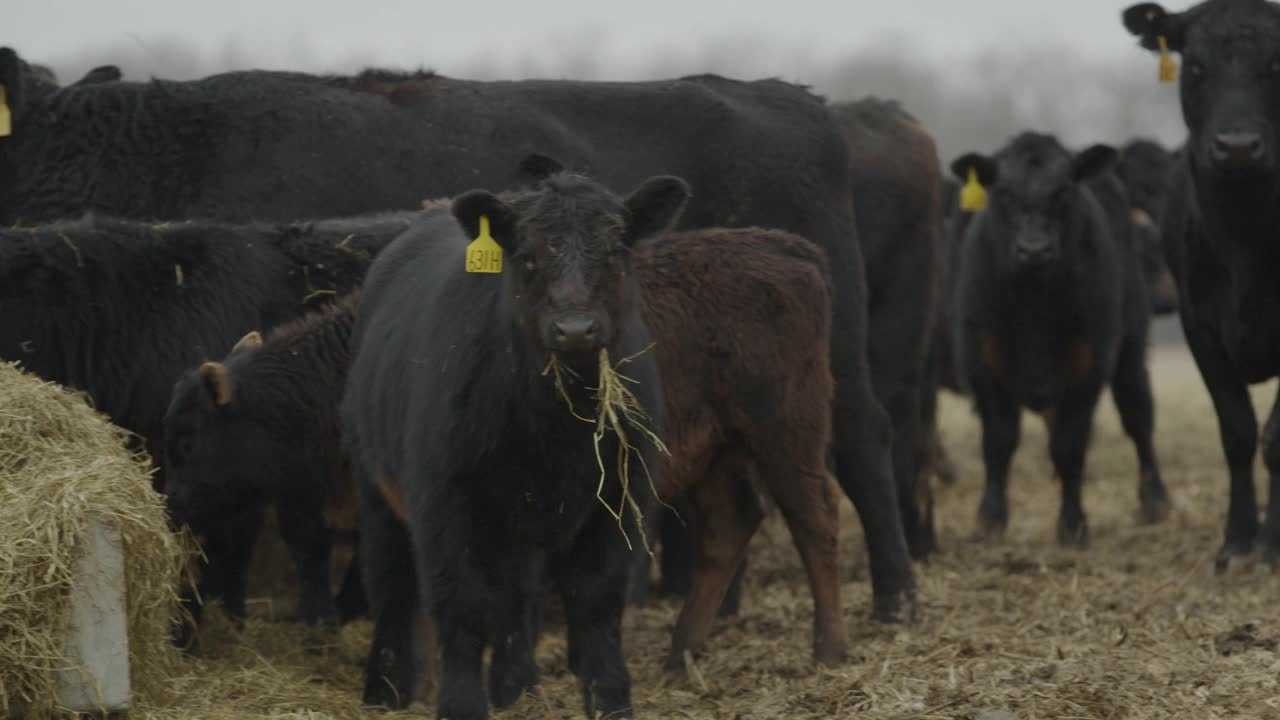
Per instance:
(1135,627)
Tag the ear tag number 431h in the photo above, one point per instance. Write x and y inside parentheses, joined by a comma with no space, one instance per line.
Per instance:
(484,254)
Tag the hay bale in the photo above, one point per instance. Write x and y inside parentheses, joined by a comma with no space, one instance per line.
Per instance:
(60,461)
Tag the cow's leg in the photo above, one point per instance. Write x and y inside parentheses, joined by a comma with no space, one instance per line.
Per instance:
(733,594)
(1238,427)
(654,527)
(1131,391)
(678,536)
(386,555)
(591,578)
(512,669)
(729,514)
(1068,443)
(861,447)
(862,443)
(679,545)
(239,555)
(807,500)
(1270,537)
(1001,429)
(352,602)
(309,541)
(464,611)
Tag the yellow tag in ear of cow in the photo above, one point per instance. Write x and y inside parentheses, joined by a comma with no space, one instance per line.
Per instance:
(973,197)
(6,120)
(1168,66)
(484,254)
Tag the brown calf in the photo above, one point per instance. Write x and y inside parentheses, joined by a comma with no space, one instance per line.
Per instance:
(742,324)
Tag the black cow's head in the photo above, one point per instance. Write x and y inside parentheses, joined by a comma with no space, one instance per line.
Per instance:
(207,440)
(1230,79)
(567,245)
(1034,192)
(26,83)
(1144,168)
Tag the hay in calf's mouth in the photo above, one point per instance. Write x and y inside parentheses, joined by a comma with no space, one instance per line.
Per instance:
(59,459)
(616,408)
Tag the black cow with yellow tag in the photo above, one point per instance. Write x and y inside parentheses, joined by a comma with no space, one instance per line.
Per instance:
(1221,226)
(1050,308)
(468,414)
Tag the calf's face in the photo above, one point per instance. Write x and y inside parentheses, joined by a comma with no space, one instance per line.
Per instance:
(1144,167)
(567,247)
(1229,83)
(214,456)
(1034,193)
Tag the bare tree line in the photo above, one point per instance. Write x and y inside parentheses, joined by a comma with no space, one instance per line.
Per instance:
(970,103)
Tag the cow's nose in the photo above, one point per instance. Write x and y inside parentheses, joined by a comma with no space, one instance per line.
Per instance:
(1237,150)
(575,334)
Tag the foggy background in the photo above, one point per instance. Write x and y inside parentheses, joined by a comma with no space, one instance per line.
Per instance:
(973,72)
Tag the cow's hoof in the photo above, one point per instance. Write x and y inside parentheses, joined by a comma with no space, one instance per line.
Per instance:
(1074,535)
(898,608)
(1155,506)
(380,693)
(831,653)
(510,680)
(1233,558)
(993,519)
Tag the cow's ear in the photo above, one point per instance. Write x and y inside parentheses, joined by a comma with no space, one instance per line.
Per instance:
(470,206)
(13,79)
(251,340)
(656,205)
(1093,161)
(983,166)
(1150,21)
(99,75)
(216,382)
(540,167)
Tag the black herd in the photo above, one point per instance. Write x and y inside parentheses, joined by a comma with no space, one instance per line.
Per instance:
(492,333)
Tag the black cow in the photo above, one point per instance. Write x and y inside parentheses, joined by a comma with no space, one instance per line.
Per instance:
(260,427)
(1050,308)
(1144,167)
(121,309)
(895,179)
(280,146)
(1221,223)
(471,460)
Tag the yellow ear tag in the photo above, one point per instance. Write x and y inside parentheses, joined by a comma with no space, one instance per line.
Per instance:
(973,197)
(484,254)
(1168,66)
(6,121)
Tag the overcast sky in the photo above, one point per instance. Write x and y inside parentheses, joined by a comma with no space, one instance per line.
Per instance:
(451,36)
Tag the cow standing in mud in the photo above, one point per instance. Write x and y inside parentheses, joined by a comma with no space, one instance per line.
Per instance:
(1220,229)
(1050,308)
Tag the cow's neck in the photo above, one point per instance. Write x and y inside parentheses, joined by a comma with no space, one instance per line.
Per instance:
(1241,217)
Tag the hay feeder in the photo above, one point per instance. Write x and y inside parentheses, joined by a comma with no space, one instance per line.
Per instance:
(89,569)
